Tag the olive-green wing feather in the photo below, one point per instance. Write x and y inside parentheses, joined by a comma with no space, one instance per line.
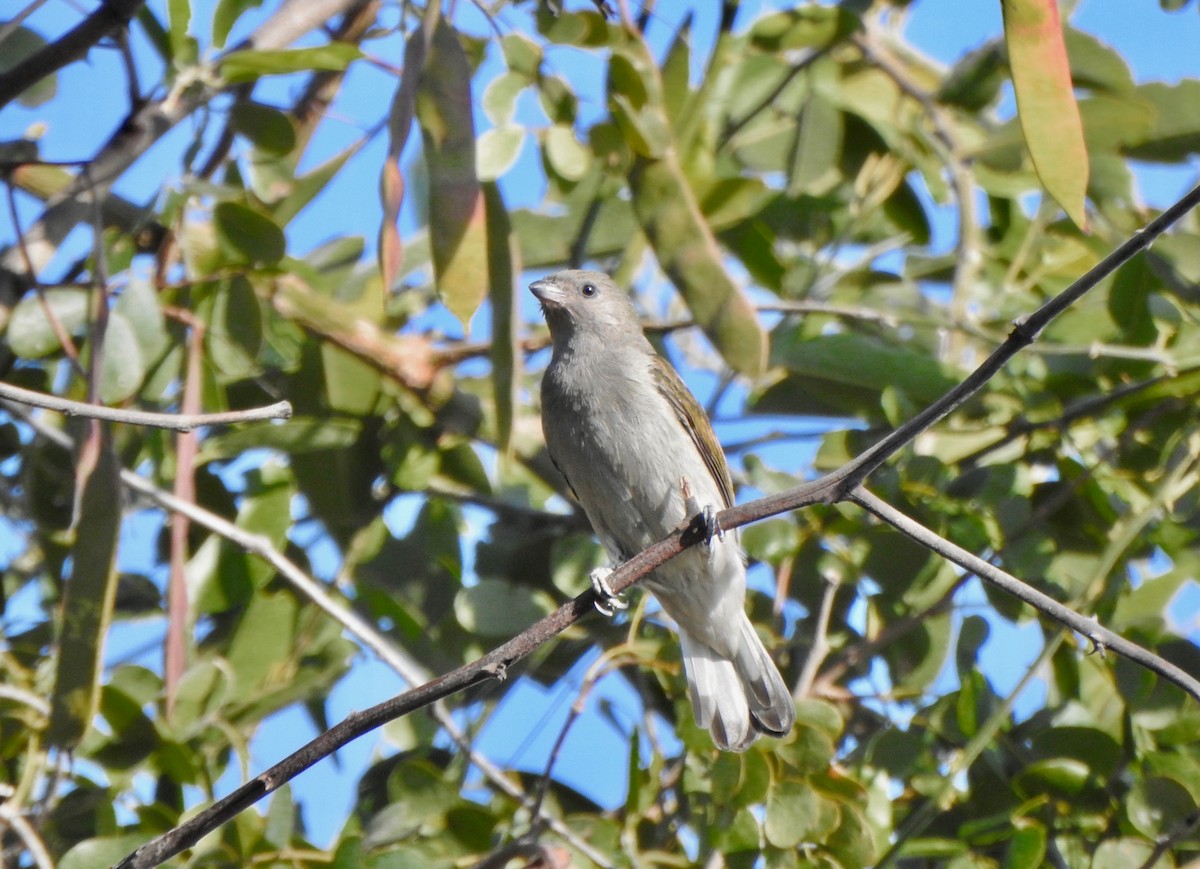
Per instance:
(692,417)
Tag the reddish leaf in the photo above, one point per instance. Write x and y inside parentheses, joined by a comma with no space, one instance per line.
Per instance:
(1046,104)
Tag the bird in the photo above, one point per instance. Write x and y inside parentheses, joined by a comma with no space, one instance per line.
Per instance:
(639,453)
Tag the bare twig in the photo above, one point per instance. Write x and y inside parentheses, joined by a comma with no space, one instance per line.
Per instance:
(1101,638)
(111,16)
(175,422)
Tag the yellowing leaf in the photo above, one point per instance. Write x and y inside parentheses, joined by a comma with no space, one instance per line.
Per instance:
(1049,115)
(457,225)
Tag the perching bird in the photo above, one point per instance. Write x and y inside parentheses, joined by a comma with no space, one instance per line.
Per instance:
(632,441)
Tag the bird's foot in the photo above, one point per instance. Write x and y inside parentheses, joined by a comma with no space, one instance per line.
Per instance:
(607,601)
(712,528)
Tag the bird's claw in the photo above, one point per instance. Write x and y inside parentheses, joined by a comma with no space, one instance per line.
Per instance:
(712,528)
(607,601)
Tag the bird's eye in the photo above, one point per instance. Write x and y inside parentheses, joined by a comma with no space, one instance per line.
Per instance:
(588,290)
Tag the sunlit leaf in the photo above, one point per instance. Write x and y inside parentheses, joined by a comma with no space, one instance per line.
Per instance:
(1046,101)
(248,64)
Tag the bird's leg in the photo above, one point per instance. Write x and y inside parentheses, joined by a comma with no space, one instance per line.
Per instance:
(691,504)
(607,601)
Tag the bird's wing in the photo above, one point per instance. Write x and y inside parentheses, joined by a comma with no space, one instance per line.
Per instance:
(693,418)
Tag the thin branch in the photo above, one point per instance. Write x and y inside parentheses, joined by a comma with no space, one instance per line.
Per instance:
(820,646)
(1100,637)
(968,258)
(149,122)
(111,16)
(1183,829)
(839,484)
(175,422)
(398,660)
(966,757)
(34,846)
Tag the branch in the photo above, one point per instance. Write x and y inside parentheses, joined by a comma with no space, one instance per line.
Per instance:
(401,663)
(148,123)
(838,485)
(1101,637)
(112,16)
(175,422)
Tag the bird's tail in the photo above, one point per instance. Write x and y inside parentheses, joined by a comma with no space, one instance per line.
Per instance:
(738,698)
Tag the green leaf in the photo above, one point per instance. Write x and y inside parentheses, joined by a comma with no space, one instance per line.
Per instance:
(1175,134)
(500,97)
(793,810)
(1027,848)
(1059,777)
(304,188)
(457,224)
(182,44)
(31,333)
(234,328)
(267,127)
(818,149)
(296,435)
(1156,806)
(506,358)
(499,148)
(1096,65)
(565,154)
(248,236)
(222,575)
(1046,101)
(19,44)
(226,15)
(124,367)
(846,375)
(975,80)
(249,64)
(101,851)
(261,645)
(809,26)
(89,596)
(281,818)
(493,608)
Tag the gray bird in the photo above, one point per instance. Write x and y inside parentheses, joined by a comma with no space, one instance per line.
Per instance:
(641,457)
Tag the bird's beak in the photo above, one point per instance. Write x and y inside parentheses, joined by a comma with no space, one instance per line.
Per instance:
(546,292)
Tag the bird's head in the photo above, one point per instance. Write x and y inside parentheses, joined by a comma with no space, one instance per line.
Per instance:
(586,304)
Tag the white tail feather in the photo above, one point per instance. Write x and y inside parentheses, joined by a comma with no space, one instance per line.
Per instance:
(737,699)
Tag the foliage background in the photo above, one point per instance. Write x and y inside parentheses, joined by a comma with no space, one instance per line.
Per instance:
(871,211)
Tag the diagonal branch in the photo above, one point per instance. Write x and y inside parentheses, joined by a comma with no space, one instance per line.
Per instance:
(840,485)
(1100,637)
(403,664)
(112,16)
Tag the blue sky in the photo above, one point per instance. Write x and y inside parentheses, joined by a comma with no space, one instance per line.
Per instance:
(1158,46)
